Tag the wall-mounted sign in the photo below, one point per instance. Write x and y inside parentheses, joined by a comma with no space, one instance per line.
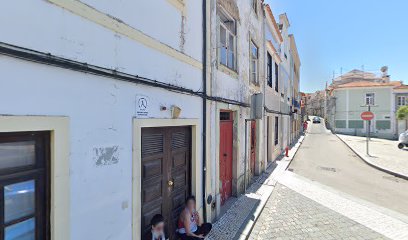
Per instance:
(142,106)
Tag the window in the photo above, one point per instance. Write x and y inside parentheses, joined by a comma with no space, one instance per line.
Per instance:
(382,124)
(24,168)
(276,77)
(356,124)
(227,41)
(402,100)
(254,63)
(276,131)
(269,70)
(369,99)
(255,6)
(225,116)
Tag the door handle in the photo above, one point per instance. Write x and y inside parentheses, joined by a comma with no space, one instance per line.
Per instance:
(170,183)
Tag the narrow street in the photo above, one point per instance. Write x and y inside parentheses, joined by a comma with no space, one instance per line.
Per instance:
(301,208)
(326,159)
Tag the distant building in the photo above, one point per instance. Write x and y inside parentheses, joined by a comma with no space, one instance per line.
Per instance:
(314,103)
(350,94)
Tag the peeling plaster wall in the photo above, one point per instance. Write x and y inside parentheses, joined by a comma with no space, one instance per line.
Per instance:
(100,109)
(236,86)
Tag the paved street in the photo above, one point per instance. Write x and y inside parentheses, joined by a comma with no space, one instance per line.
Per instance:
(290,215)
(329,193)
(326,159)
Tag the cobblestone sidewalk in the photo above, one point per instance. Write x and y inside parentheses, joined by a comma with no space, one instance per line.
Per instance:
(290,215)
(238,221)
(232,223)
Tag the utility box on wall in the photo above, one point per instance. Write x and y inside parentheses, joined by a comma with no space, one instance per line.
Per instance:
(257,106)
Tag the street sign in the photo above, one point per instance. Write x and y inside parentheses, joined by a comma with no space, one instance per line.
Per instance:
(368,116)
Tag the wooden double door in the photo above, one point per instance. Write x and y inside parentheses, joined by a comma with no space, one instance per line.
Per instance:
(166,174)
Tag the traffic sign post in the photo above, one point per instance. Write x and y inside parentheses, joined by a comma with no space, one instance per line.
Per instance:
(368,116)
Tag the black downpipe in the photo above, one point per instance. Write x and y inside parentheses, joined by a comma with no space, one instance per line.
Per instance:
(51,60)
(204,108)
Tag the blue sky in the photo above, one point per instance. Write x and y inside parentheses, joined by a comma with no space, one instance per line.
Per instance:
(335,34)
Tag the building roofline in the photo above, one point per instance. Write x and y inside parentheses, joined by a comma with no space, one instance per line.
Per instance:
(272,21)
(294,49)
(284,17)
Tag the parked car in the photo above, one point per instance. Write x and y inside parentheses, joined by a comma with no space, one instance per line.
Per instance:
(403,140)
(316,120)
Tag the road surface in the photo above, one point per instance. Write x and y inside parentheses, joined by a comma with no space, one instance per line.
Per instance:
(325,159)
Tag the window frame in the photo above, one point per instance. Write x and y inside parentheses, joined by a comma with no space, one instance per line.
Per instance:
(255,6)
(254,62)
(405,102)
(276,77)
(269,71)
(276,140)
(229,32)
(39,172)
(367,97)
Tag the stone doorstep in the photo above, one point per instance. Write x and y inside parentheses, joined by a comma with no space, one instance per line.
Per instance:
(260,191)
(371,163)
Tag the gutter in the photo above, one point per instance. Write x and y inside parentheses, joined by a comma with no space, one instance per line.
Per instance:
(60,62)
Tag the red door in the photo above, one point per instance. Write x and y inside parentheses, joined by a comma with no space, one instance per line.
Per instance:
(253,146)
(226,126)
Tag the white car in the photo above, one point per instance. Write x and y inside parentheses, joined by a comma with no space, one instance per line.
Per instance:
(403,140)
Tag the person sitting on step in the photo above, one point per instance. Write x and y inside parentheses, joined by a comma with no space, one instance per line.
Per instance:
(189,224)
(157,229)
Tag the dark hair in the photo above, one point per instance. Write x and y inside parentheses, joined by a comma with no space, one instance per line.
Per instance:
(158,218)
(190,198)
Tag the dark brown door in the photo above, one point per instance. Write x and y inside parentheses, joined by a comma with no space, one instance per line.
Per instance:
(24,185)
(226,127)
(253,146)
(166,157)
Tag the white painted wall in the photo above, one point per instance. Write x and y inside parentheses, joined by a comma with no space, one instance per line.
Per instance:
(64,34)
(100,109)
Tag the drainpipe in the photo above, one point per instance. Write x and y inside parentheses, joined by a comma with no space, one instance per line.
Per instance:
(204,109)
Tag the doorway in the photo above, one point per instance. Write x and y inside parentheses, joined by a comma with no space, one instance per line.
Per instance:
(166,174)
(253,147)
(226,154)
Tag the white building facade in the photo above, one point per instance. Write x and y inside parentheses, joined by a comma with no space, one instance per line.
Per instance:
(114,91)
